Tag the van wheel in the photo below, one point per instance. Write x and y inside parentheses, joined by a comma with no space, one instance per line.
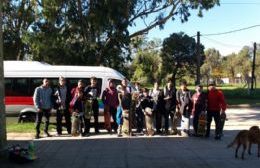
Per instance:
(27,117)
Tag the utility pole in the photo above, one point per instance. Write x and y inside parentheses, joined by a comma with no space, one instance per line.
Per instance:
(3,143)
(198,59)
(253,69)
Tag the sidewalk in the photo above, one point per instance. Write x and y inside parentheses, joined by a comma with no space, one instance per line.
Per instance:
(109,151)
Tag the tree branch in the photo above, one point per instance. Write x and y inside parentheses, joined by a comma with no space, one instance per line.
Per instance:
(158,22)
(150,11)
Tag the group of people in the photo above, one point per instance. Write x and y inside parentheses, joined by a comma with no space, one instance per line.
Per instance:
(81,102)
(130,108)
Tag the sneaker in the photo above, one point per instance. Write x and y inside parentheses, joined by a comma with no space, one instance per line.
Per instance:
(97,131)
(217,137)
(47,134)
(174,132)
(37,136)
(159,132)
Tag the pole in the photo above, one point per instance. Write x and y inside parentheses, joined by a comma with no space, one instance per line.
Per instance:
(3,142)
(253,69)
(198,59)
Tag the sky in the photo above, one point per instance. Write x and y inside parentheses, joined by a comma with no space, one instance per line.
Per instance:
(230,15)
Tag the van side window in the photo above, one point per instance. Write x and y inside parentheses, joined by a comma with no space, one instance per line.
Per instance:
(117,82)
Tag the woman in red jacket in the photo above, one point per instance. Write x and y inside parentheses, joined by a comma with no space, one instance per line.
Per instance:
(216,106)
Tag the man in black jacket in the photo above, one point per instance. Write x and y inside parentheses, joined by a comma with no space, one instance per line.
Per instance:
(63,97)
(92,92)
(169,93)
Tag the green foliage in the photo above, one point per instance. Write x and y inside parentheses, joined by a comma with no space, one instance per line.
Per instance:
(212,65)
(147,64)
(179,55)
(17,18)
(85,32)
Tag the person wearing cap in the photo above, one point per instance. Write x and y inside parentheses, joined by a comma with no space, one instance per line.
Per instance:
(215,107)
(63,97)
(184,102)
(199,104)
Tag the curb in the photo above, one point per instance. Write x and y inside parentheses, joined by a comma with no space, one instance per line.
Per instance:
(244,106)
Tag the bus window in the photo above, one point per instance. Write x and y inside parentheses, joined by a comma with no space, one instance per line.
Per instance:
(21,87)
(35,82)
(8,87)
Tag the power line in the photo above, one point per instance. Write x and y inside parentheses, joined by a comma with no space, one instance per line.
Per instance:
(240,3)
(232,31)
(221,43)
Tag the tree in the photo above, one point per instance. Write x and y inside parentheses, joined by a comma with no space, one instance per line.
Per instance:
(212,65)
(229,66)
(179,55)
(147,63)
(17,18)
(157,12)
(82,32)
(244,64)
(92,32)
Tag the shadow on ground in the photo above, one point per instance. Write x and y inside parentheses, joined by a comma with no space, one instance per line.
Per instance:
(137,152)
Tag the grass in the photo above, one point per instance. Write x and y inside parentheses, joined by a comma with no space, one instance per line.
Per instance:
(237,95)
(13,126)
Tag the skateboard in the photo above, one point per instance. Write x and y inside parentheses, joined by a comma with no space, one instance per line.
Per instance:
(88,109)
(75,124)
(125,126)
(176,123)
(202,124)
(223,118)
(148,121)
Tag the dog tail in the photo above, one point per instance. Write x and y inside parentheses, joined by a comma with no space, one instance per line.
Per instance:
(232,143)
(241,135)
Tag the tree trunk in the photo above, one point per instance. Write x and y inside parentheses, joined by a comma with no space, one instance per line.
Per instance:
(2,107)
(174,79)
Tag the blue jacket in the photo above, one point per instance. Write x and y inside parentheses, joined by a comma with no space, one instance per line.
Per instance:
(42,98)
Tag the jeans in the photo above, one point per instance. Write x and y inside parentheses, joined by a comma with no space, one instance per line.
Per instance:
(59,115)
(216,116)
(46,113)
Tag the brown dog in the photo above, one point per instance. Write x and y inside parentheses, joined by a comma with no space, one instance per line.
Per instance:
(245,137)
(254,138)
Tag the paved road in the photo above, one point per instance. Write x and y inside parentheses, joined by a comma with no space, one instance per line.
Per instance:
(174,151)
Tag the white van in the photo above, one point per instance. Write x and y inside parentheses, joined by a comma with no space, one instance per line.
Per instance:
(22,77)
